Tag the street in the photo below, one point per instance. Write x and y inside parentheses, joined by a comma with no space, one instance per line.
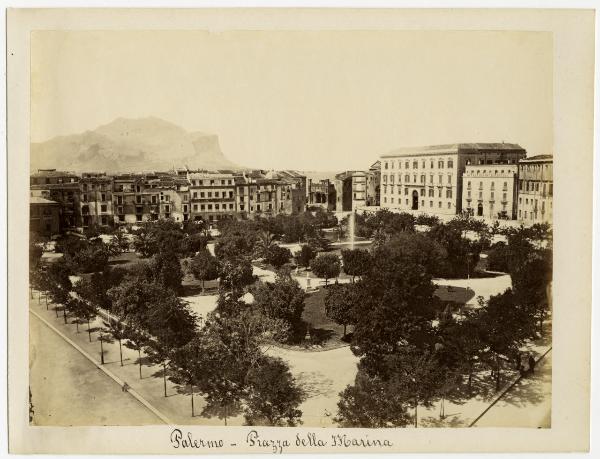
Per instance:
(527,404)
(67,389)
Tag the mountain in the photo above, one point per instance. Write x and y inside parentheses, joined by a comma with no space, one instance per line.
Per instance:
(130,145)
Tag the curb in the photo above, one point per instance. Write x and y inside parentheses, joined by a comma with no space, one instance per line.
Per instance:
(110,374)
(506,389)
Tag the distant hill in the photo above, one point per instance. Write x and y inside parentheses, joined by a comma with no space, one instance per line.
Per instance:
(129,145)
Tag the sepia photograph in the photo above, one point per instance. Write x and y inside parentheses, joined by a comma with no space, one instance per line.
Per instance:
(233,226)
(332,230)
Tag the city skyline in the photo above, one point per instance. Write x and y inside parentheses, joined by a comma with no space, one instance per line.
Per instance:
(306,100)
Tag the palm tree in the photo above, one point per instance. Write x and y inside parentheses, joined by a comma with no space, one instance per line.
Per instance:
(264,244)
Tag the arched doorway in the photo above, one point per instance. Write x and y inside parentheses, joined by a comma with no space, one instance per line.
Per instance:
(415,200)
(480,210)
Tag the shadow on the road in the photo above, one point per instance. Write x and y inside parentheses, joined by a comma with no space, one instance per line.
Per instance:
(448,421)
(314,385)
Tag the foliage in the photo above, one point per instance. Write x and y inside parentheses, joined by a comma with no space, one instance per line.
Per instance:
(204,266)
(272,396)
(283,299)
(341,302)
(235,273)
(305,255)
(371,403)
(166,270)
(356,262)
(326,266)
(396,305)
(94,288)
(278,256)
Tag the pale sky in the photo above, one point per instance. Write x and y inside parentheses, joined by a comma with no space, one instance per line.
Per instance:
(301,100)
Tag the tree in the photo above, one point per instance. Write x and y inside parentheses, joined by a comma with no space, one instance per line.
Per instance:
(504,326)
(272,396)
(170,324)
(340,304)
(305,255)
(356,262)
(235,273)
(166,270)
(193,243)
(396,307)
(370,403)
(326,266)
(278,256)
(264,244)
(531,283)
(204,267)
(94,288)
(92,258)
(283,299)
(117,330)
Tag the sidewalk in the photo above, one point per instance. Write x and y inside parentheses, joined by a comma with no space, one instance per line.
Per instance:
(176,406)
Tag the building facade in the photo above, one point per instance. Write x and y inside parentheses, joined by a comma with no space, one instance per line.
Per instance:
(322,194)
(535,190)
(95,200)
(61,187)
(490,190)
(430,179)
(374,185)
(353,189)
(44,216)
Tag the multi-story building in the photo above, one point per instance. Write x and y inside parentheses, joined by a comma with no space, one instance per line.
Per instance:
(430,178)
(535,190)
(300,185)
(212,195)
(95,200)
(374,184)
(322,194)
(62,187)
(44,216)
(490,190)
(353,189)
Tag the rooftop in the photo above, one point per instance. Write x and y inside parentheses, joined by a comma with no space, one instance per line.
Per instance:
(452,148)
(40,200)
(538,158)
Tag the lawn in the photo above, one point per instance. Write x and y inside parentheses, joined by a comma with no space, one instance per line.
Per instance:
(325,334)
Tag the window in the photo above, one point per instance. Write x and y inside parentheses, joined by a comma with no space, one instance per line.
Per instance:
(492,195)
(415,164)
(449,194)
(185,208)
(423,179)
(138,189)
(439,193)
(103,197)
(407,178)
(103,208)
(440,179)
(167,198)
(209,194)
(405,164)
(230,206)
(138,218)
(153,199)
(202,194)
(440,204)
(431,193)
(430,203)
(138,199)
(431,164)
(440,164)
(195,195)
(84,198)
(469,194)
(385,200)
(450,164)
(422,192)
(430,178)
(449,179)
(231,194)
(449,205)
(209,206)
(385,165)
(195,207)
(406,192)
(202,207)
(216,206)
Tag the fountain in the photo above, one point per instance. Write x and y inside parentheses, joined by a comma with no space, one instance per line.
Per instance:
(351,218)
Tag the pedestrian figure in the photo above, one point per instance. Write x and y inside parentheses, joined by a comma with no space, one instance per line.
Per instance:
(531,361)
(125,387)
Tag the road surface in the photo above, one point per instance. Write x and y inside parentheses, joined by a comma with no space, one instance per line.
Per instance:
(67,389)
(527,404)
